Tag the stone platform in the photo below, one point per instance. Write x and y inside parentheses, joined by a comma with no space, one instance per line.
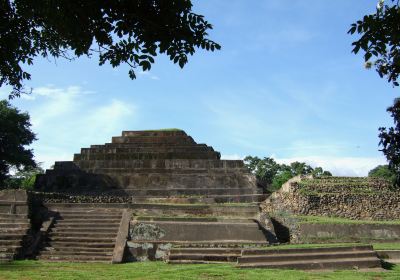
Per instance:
(180,194)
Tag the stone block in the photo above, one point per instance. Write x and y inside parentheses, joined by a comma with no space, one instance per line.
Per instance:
(13,195)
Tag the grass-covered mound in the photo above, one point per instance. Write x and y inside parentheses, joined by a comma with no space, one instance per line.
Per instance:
(350,185)
(357,198)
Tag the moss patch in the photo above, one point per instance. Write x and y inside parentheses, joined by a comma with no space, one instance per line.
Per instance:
(343,221)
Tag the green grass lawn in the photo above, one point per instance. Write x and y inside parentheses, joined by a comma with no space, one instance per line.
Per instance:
(158,270)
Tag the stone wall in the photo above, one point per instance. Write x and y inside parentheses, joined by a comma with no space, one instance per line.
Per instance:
(329,233)
(13,202)
(371,200)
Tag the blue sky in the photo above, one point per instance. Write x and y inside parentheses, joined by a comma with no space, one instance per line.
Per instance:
(285,84)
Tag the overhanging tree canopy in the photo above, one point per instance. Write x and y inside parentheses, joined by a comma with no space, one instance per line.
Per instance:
(121,31)
(380,39)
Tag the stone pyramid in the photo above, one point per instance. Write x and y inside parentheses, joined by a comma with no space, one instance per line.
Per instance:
(153,165)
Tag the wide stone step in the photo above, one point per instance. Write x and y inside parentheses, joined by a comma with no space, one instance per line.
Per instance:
(240,210)
(84,229)
(82,234)
(14,225)
(66,215)
(13,216)
(242,244)
(11,236)
(193,219)
(75,258)
(129,172)
(350,263)
(147,156)
(161,149)
(184,139)
(11,230)
(195,262)
(205,257)
(154,133)
(106,250)
(307,256)
(162,192)
(76,220)
(200,231)
(202,199)
(68,209)
(83,252)
(161,164)
(89,212)
(307,250)
(78,207)
(82,243)
(12,242)
(81,239)
(205,251)
(147,145)
(9,248)
(5,257)
(93,226)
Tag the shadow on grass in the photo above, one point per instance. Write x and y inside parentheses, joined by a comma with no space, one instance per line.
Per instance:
(387,265)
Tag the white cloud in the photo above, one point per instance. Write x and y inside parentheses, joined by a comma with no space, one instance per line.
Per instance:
(67,119)
(142,73)
(231,157)
(339,166)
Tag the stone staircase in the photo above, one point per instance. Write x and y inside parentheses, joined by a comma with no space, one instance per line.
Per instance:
(82,234)
(203,255)
(13,228)
(355,257)
(212,231)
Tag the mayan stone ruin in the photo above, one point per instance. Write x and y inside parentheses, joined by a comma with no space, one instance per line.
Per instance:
(156,195)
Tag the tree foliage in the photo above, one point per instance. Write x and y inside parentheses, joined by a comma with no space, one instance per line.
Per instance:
(383,171)
(273,174)
(380,39)
(128,31)
(15,134)
(23,179)
(390,140)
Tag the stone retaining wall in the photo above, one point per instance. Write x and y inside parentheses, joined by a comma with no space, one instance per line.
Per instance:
(329,233)
(380,204)
(13,202)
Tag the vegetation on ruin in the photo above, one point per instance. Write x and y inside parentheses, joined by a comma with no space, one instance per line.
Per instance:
(273,175)
(32,270)
(383,171)
(127,32)
(354,185)
(342,221)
